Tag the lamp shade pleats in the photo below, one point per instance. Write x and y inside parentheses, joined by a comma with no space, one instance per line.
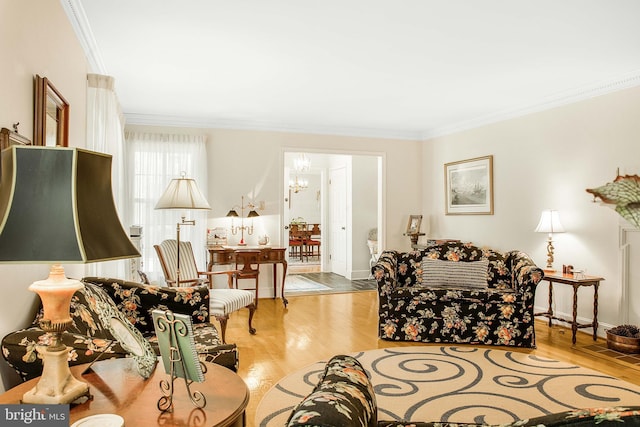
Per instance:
(549,222)
(182,193)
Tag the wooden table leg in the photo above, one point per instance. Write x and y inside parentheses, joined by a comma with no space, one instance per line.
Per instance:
(595,311)
(275,279)
(574,321)
(284,276)
(550,312)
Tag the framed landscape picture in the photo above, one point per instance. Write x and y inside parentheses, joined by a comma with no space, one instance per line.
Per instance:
(469,187)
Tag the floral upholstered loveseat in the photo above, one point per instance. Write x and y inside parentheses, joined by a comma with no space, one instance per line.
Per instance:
(457,293)
(104,303)
(344,397)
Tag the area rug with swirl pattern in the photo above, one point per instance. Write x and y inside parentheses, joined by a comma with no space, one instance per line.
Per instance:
(460,384)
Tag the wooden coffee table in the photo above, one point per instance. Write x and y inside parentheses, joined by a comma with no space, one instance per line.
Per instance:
(117,388)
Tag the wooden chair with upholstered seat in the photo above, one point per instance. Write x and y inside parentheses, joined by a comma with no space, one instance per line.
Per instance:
(295,242)
(312,248)
(222,302)
(247,267)
(298,234)
(312,242)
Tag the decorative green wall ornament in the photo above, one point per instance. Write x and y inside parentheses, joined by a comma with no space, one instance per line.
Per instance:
(624,193)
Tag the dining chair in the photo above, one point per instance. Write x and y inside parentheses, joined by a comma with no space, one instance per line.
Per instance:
(295,242)
(312,247)
(222,302)
(297,237)
(312,241)
(247,267)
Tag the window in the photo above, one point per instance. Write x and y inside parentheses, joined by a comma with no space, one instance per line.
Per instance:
(153,161)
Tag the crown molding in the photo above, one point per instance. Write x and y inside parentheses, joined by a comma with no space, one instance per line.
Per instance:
(571,96)
(180,121)
(80,23)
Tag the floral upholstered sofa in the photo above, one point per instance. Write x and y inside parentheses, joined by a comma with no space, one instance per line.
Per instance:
(457,293)
(104,303)
(344,397)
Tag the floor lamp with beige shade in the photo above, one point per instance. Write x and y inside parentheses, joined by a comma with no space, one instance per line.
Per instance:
(182,193)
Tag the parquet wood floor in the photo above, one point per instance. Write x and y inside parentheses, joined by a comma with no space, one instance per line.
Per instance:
(317,327)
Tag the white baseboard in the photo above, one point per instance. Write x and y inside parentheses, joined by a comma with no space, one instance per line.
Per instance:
(359,275)
(601,326)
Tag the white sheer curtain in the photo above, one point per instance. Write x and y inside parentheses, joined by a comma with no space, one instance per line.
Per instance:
(105,134)
(153,160)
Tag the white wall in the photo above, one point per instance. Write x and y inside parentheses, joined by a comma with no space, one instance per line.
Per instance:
(35,38)
(546,161)
(250,163)
(365,212)
(305,203)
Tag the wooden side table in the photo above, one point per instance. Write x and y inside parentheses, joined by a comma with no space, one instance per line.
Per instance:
(117,388)
(576,281)
(414,238)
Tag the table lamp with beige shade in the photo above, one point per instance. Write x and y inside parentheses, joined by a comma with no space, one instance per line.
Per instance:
(57,207)
(549,223)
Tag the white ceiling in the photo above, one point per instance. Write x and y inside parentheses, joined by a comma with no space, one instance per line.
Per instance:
(382,68)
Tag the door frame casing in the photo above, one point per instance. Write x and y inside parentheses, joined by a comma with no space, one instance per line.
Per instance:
(381,189)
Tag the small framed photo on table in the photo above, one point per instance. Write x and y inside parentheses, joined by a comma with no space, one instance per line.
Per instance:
(413,226)
(469,187)
(217,236)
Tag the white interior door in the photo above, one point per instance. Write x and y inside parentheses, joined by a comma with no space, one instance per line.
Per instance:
(286,217)
(338,220)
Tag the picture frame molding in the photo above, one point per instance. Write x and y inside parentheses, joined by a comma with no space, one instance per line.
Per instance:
(469,166)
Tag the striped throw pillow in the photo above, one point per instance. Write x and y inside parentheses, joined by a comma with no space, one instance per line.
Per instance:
(454,274)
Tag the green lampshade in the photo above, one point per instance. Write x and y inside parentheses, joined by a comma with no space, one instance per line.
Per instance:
(56,206)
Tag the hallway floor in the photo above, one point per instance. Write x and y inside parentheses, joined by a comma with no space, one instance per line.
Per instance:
(339,283)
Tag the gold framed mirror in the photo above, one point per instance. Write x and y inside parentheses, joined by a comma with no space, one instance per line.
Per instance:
(51,115)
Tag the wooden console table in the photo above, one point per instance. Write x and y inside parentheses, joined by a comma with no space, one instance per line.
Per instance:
(414,238)
(576,281)
(117,388)
(268,255)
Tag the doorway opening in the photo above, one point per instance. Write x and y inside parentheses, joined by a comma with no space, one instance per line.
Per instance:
(334,202)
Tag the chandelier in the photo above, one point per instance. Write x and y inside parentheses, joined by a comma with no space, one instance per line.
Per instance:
(302,163)
(298,184)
